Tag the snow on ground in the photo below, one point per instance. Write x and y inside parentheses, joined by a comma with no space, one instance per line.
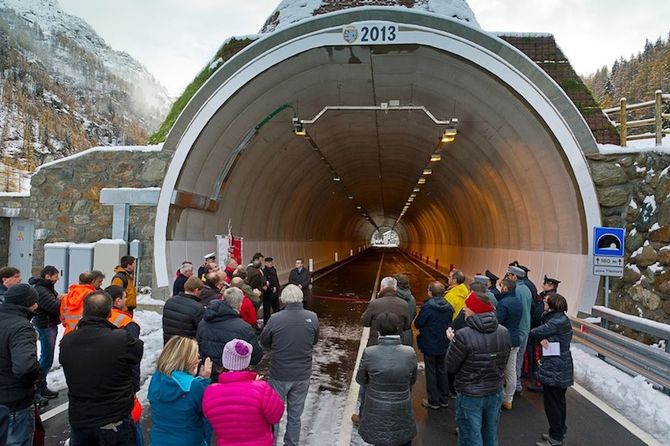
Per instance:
(643,145)
(146,299)
(633,397)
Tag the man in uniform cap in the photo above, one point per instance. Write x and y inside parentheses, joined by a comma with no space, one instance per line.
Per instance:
(518,275)
(202,271)
(493,278)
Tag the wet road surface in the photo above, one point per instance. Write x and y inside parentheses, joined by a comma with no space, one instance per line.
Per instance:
(340,298)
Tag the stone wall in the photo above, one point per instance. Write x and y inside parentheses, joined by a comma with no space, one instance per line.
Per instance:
(634,193)
(65,198)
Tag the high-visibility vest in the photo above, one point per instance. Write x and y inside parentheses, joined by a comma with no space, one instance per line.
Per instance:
(72,305)
(119,318)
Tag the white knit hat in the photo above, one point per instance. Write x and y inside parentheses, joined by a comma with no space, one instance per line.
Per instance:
(236,355)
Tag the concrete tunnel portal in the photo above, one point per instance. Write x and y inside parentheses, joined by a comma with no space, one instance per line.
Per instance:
(514,184)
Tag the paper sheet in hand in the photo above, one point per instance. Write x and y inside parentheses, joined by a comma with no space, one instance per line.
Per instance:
(554,349)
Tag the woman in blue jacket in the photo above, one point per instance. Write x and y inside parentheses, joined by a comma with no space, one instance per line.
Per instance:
(556,370)
(175,395)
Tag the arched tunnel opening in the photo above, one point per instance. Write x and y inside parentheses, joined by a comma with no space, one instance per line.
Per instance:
(505,189)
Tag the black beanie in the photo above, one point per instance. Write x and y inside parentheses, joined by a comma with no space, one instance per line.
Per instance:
(21,294)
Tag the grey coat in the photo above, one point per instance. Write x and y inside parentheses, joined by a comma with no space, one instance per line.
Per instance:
(389,371)
(406,295)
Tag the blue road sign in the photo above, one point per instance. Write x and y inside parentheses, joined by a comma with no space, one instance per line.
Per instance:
(608,242)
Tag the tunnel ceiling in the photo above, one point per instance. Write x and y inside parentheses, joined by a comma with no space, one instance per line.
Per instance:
(502,184)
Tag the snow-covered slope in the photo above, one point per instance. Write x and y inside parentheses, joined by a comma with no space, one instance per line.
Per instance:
(63,89)
(293,11)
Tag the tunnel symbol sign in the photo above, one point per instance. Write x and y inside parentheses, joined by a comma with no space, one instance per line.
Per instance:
(608,242)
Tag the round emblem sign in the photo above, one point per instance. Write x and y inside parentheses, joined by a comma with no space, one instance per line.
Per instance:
(350,34)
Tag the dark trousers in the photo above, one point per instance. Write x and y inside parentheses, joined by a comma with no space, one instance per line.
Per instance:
(437,383)
(122,435)
(554,408)
(270,306)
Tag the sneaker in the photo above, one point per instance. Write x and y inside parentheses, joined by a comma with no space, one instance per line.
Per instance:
(356,419)
(506,406)
(40,401)
(427,404)
(548,441)
(49,394)
(444,405)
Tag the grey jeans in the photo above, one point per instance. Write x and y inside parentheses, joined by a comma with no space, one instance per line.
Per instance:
(293,394)
(519,360)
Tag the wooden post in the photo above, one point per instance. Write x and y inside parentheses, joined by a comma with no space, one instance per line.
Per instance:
(658,116)
(623,129)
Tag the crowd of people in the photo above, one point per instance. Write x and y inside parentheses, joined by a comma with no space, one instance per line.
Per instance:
(212,334)
(476,339)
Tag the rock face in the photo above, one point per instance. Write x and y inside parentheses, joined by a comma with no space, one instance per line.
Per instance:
(634,193)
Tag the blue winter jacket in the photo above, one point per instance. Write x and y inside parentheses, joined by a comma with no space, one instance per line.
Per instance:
(555,371)
(509,312)
(432,322)
(176,410)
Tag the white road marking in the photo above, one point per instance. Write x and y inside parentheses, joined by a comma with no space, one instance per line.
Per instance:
(55,411)
(352,396)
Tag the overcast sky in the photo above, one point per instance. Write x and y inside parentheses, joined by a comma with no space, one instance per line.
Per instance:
(176,38)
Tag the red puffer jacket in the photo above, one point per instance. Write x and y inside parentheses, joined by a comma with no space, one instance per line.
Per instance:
(242,410)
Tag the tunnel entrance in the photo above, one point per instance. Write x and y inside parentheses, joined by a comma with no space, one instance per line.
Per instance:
(385,238)
(513,185)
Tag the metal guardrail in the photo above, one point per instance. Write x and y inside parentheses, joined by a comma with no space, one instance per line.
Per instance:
(653,328)
(629,354)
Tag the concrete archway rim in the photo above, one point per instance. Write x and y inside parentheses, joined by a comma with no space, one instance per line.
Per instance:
(273,49)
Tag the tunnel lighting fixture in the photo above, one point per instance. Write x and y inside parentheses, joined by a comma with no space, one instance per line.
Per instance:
(427,171)
(435,157)
(410,199)
(358,207)
(422,180)
(416,189)
(336,178)
(451,131)
(412,196)
(351,197)
(298,128)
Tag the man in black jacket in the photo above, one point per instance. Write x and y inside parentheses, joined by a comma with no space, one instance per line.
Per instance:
(183,312)
(301,277)
(255,278)
(222,323)
(271,295)
(19,369)
(212,290)
(98,360)
(46,321)
(477,356)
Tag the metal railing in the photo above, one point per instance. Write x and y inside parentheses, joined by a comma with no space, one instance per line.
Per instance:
(623,124)
(625,353)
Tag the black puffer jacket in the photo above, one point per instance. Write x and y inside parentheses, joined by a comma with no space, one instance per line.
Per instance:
(19,369)
(181,316)
(48,305)
(389,371)
(478,355)
(555,371)
(221,324)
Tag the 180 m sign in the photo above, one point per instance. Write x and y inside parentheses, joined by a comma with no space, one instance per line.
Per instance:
(370,33)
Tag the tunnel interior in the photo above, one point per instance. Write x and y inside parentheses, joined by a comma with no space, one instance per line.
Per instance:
(503,190)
